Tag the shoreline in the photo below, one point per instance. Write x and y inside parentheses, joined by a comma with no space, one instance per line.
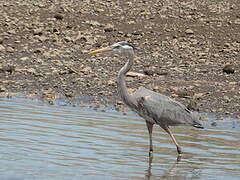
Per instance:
(189,52)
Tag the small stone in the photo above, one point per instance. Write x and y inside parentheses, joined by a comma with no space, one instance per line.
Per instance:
(203,118)
(67,39)
(189,31)
(162,73)
(41,38)
(149,72)
(213,124)
(86,70)
(109,28)
(2,48)
(37,51)
(31,70)
(12,31)
(192,105)
(229,69)
(135,74)
(10,49)
(198,95)
(37,32)
(2,89)
(58,16)
(8,68)
(24,58)
(111,82)
(237,21)
(93,23)
(183,93)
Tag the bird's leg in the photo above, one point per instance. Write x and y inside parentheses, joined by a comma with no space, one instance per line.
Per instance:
(150,127)
(166,128)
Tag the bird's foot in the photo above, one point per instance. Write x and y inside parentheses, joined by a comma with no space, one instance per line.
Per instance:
(179,150)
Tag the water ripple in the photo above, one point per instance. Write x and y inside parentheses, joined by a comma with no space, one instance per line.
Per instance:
(40,141)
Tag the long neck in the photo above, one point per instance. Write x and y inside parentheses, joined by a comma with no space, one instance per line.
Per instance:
(121,81)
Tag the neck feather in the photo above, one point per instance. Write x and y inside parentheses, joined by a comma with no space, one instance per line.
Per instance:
(121,81)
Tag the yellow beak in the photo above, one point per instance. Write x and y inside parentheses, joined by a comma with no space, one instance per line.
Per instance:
(100,51)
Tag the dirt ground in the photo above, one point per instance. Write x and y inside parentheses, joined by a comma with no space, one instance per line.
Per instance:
(189,49)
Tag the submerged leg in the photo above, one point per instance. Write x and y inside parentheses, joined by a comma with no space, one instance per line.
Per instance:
(166,128)
(150,127)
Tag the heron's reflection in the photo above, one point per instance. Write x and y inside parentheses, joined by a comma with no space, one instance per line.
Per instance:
(170,173)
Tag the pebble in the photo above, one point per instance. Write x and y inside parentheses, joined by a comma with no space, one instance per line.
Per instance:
(2,48)
(149,72)
(58,16)
(229,69)
(109,28)
(213,124)
(189,31)
(135,74)
(10,49)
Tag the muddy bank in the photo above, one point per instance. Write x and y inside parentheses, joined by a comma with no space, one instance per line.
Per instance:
(189,49)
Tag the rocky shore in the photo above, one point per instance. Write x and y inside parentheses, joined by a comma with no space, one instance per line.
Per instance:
(189,50)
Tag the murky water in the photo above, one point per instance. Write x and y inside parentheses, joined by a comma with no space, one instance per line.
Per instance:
(39,141)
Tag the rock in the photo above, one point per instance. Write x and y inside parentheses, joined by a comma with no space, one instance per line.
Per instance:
(10,49)
(203,118)
(48,55)
(198,95)
(109,28)
(68,39)
(86,70)
(111,83)
(183,93)
(2,89)
(8,68)
(2,48)
(93,23)
(149,72)
(31,71)
(192,105)
(227,99)
(41,38)
(229,69)
(37,32)
(135,74)
(237,21)
(12,31)
(37,51)
(189,31)
(24,58)
(58,16)
(162,73)
(214,124)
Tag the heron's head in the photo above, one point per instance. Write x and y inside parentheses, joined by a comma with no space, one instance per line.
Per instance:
(122,48)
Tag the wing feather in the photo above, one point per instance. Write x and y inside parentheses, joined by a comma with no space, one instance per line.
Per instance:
(162,109)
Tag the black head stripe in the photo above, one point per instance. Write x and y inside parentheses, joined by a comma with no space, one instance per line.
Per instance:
(126,43)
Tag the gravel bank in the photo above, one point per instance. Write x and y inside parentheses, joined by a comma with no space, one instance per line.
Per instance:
(189,49)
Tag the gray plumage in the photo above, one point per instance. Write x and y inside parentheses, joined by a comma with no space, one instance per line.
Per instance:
(155,108)
(162,109)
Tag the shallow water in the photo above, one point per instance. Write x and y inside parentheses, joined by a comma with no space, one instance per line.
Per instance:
(40,141)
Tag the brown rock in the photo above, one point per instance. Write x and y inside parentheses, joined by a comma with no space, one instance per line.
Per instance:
(58,16)
(135,74)
(229,69)
(2,48)
(189,31)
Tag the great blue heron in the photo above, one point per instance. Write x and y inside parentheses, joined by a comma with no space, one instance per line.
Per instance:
(155,108)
